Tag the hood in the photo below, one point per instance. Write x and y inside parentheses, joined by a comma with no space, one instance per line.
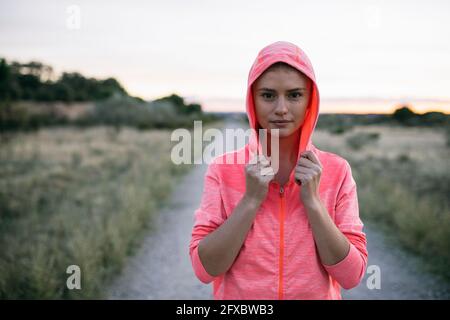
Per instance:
(291,54)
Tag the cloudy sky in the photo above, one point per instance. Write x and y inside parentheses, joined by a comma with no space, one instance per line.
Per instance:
(367,55)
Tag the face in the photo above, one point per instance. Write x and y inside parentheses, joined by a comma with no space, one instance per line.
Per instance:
(281,97)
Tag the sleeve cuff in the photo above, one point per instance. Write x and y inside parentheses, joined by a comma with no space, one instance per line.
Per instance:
(347,272)
(200,271)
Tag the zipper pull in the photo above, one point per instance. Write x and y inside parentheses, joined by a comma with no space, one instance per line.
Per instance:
(281,191)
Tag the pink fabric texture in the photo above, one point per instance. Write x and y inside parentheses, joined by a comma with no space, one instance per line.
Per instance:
(271,265)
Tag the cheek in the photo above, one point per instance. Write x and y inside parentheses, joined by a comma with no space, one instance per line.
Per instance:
(299,110)
(262,111)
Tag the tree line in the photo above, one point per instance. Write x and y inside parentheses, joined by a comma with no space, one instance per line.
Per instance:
(30,91)
(36,81)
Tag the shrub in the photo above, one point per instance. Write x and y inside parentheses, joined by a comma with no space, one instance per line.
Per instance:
(361,139)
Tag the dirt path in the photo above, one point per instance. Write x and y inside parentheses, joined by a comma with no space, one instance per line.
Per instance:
(402,276)
(161,268)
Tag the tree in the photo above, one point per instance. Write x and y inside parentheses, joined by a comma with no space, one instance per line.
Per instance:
(174,99)
(403,114)
(4,80)
(179,104)
(193,108)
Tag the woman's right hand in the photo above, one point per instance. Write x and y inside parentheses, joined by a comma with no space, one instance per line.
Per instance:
(257,178)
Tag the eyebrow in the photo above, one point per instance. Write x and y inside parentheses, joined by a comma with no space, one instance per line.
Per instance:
(290,90)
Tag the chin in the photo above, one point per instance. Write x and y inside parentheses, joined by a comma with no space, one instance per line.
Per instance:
(282,132)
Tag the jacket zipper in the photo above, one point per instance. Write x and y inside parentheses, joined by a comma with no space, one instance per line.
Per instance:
(280,261)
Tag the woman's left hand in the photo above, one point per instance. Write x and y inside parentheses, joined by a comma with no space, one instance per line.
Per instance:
(307,173)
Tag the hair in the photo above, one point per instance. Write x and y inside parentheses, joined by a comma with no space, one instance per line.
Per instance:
(281,65)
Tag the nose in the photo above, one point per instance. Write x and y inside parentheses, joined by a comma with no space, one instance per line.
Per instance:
(281,108)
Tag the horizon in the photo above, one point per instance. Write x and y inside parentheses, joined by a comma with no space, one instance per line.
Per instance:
(394,53)
(344,105)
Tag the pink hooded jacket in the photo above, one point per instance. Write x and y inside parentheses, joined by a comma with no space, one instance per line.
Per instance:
(279,259)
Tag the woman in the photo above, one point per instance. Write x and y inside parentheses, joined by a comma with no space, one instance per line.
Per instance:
(290,234)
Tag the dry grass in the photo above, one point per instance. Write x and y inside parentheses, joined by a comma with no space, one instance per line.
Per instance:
(83,197)
(417,143)
(403,180)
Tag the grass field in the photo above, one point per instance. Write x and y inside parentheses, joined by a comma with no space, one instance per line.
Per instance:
(403,178)
(77,197)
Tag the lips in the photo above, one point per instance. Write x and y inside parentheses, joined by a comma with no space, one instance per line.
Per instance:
(281,121)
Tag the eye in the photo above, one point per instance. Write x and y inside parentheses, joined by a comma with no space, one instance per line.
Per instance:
(267,95)
(296,95)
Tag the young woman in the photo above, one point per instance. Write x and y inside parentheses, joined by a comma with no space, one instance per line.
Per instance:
(290,234)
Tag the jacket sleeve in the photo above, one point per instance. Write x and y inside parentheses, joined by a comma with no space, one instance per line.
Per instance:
(350,270)
(207,218)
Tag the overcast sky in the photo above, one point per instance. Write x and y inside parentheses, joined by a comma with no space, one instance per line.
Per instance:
(203,50)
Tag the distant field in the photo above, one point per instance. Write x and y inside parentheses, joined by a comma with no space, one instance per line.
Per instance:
(83,197)
(403,178)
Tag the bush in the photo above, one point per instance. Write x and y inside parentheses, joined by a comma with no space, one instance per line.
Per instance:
(117,111)
(361,139)
(123,111)
(16,116)
(339,129)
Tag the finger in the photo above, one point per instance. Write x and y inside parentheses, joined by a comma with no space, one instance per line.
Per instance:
(253,156)
(264,161)
(267,171)
(268,178)
(313,167)
(304,170)
(256,159)
(302,178)
(261,162)
(252,164)
(262,140)
(307,163)
(299,179)
(312,157)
